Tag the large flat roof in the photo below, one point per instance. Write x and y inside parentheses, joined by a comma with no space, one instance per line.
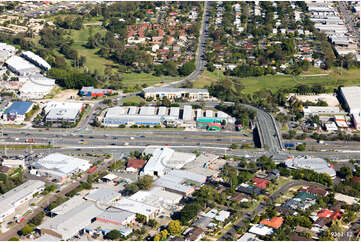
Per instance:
(352,96)
(133,206)
(306,162)
(37,59)
(9,199)
(103,195)
(68,205)
(19,107)
(21,64)
(69,224)
(62,163)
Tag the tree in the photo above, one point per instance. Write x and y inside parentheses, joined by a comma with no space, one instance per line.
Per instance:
(130,189)
(145,182)
(28,229)
(37,219)
(164,234)
(113,235)
(187,68)
(153,223)
(156,237)
(345,172)
(141,218)
(188,212)
(174,227)
(337,226)
(14,239)
(301,147)
(234,146)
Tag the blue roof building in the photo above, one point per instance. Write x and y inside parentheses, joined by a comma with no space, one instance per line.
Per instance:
(18,107)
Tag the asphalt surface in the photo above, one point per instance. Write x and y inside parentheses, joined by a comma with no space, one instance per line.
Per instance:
(349,20)
(261,207)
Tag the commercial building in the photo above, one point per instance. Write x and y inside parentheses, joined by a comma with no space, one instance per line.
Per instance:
(104,196)
(98,227)
(21,67)
(162,116)
(17,110)
(174,93)
(173,185)
(318,165)
(317,110)
(330,126)
(341,121)
(351,96)
(127,204)
(158,197)
(67,206)
(93,92)
(17,196)
(13,163)
(36,87)
(116,217)
(36,60)
(60,167)
(63,111)
(163,159)
(205,164)
(69,224)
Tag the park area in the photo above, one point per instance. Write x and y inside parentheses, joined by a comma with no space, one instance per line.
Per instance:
(330,79)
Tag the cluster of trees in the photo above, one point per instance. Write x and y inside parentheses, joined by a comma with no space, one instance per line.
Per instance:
(59,200)
(307,175)
(189,212)
(143,183)
(174,228)
(243,114)
(72,79)
(10,182)
(69,22)
(348,186)
(265,163)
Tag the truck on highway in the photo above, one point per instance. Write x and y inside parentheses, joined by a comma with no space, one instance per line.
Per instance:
(289,145)
(30,141)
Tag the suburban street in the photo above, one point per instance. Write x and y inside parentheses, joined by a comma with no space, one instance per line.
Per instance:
(261,207)
(349,21)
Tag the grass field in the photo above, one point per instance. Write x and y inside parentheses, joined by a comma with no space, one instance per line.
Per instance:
(332,80)
(149,79)
(133,99)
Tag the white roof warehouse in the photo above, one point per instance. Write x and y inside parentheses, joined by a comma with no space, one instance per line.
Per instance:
(63,111)
(17,196)
(60,166)
(35,59)
(21,67)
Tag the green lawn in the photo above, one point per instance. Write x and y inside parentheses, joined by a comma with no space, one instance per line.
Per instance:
(146,78)
(133,99)
(332,80)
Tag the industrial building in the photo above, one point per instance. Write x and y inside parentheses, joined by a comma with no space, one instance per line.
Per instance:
(98,227)
(91,91)
(157,197)
(36,87)
(69,224)
(103,196)
(180,181)
(13,163)
(6,51)
(127,204)
(191,94)
(351,96)
(116,217)
(307,162)
(21,67)
(17,111)
(163,159)
(67,206)
(318,110)
(17,196)
(63,111)
(152,116)
(58,166)
(36,60)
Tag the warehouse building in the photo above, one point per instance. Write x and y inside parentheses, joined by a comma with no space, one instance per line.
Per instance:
(6,51)
(17,111)
(163,159)
(307,162)
(36,60)
(36,87)
(18,196)
(67,206)
(162,116)
(21,67)
(318,110)
(158,197)
(116,217)
(60,167)
(13,163)
(103,196)
(351,96)
(175,93)
(69,224)
(92,92)
(63,111)
(127,204)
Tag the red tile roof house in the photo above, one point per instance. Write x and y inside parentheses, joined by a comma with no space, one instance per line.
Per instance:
(315,191)
(260,183)
(274,222)
(333,215)
(134,165)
